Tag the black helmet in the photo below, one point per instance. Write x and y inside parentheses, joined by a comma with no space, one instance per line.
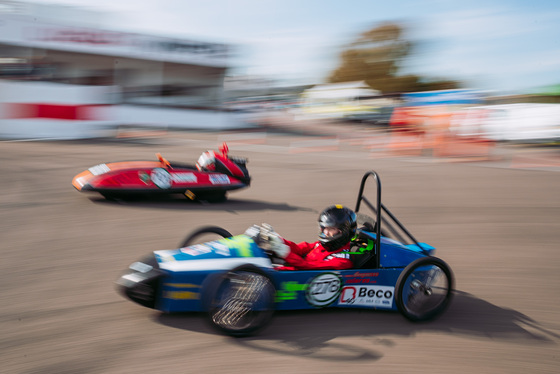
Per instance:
(341,218)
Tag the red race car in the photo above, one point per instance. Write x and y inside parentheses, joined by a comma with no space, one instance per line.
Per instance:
(210,179)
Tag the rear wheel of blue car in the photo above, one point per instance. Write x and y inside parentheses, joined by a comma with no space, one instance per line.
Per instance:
(205,234)
(241,301)
(424,289)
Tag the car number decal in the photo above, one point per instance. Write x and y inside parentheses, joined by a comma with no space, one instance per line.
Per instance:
(324,289)
(161,178)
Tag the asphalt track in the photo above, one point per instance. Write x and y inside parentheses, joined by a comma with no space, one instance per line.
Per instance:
(495,222)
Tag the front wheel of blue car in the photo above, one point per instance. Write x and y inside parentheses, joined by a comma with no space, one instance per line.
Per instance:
(424,289)
(242,301)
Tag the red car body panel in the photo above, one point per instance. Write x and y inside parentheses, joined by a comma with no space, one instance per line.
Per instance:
(164,177)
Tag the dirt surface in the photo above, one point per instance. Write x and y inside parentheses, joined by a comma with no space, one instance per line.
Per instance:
(495,222)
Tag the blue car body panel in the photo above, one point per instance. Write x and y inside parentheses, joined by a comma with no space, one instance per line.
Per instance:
(189,271)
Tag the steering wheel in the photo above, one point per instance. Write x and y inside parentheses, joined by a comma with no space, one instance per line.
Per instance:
(262,243)
(256,233)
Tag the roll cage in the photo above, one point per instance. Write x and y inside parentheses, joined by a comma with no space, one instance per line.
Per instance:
(382,216)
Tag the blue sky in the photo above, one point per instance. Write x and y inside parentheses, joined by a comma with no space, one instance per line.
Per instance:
(502,45)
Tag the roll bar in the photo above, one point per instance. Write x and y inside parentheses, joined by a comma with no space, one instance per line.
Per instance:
(379,218)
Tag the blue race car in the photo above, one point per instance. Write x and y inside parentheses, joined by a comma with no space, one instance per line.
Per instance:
(235,281)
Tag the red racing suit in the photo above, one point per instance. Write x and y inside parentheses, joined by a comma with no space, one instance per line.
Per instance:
(313,256)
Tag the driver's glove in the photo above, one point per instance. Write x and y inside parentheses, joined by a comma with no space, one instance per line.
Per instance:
(269,240)
(253,232)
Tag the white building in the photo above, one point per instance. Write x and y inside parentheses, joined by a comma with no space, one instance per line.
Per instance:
(53,71)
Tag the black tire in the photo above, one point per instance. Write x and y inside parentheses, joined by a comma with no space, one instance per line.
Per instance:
(424,289)
(210,231)
(212,197)
(241,301)
(125,197)
(112,196)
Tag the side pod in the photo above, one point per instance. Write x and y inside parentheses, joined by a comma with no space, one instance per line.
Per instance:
(141,282)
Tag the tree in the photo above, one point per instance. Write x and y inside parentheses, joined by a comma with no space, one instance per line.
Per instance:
(375,57)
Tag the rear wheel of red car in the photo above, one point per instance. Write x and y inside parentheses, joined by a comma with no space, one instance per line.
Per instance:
(424,289)
(125,197)
(205,234)
(212,197)
(241,301)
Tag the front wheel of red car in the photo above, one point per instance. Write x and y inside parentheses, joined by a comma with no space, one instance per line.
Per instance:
(424,289)
(241,301)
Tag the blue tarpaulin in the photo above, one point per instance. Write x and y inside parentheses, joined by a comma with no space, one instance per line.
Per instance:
(453,97)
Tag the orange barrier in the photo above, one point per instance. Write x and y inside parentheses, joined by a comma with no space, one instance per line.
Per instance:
(408,133)
(406,143)
(464,146)
(418,131)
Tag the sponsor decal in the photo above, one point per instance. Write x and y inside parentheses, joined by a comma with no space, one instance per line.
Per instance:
(181,295)
(196,250)
(374,296)
(343,254)
(359,280)
(221,249)
(324,289)
(182,285)
(161,178)
(183,178)
(219,179)
(289,290)
(359,277)
(360,274)
(99,169)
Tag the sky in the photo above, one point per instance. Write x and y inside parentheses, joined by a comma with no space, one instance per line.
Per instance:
(507,46)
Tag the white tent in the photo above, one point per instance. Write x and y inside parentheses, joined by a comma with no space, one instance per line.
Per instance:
(337,100)
(339,91)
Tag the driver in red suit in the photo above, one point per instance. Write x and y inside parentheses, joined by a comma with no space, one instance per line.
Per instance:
(338,226)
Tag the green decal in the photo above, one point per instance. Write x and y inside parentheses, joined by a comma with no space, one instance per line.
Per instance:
(289,290)
(363,248)
(241,243)
(144,177)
